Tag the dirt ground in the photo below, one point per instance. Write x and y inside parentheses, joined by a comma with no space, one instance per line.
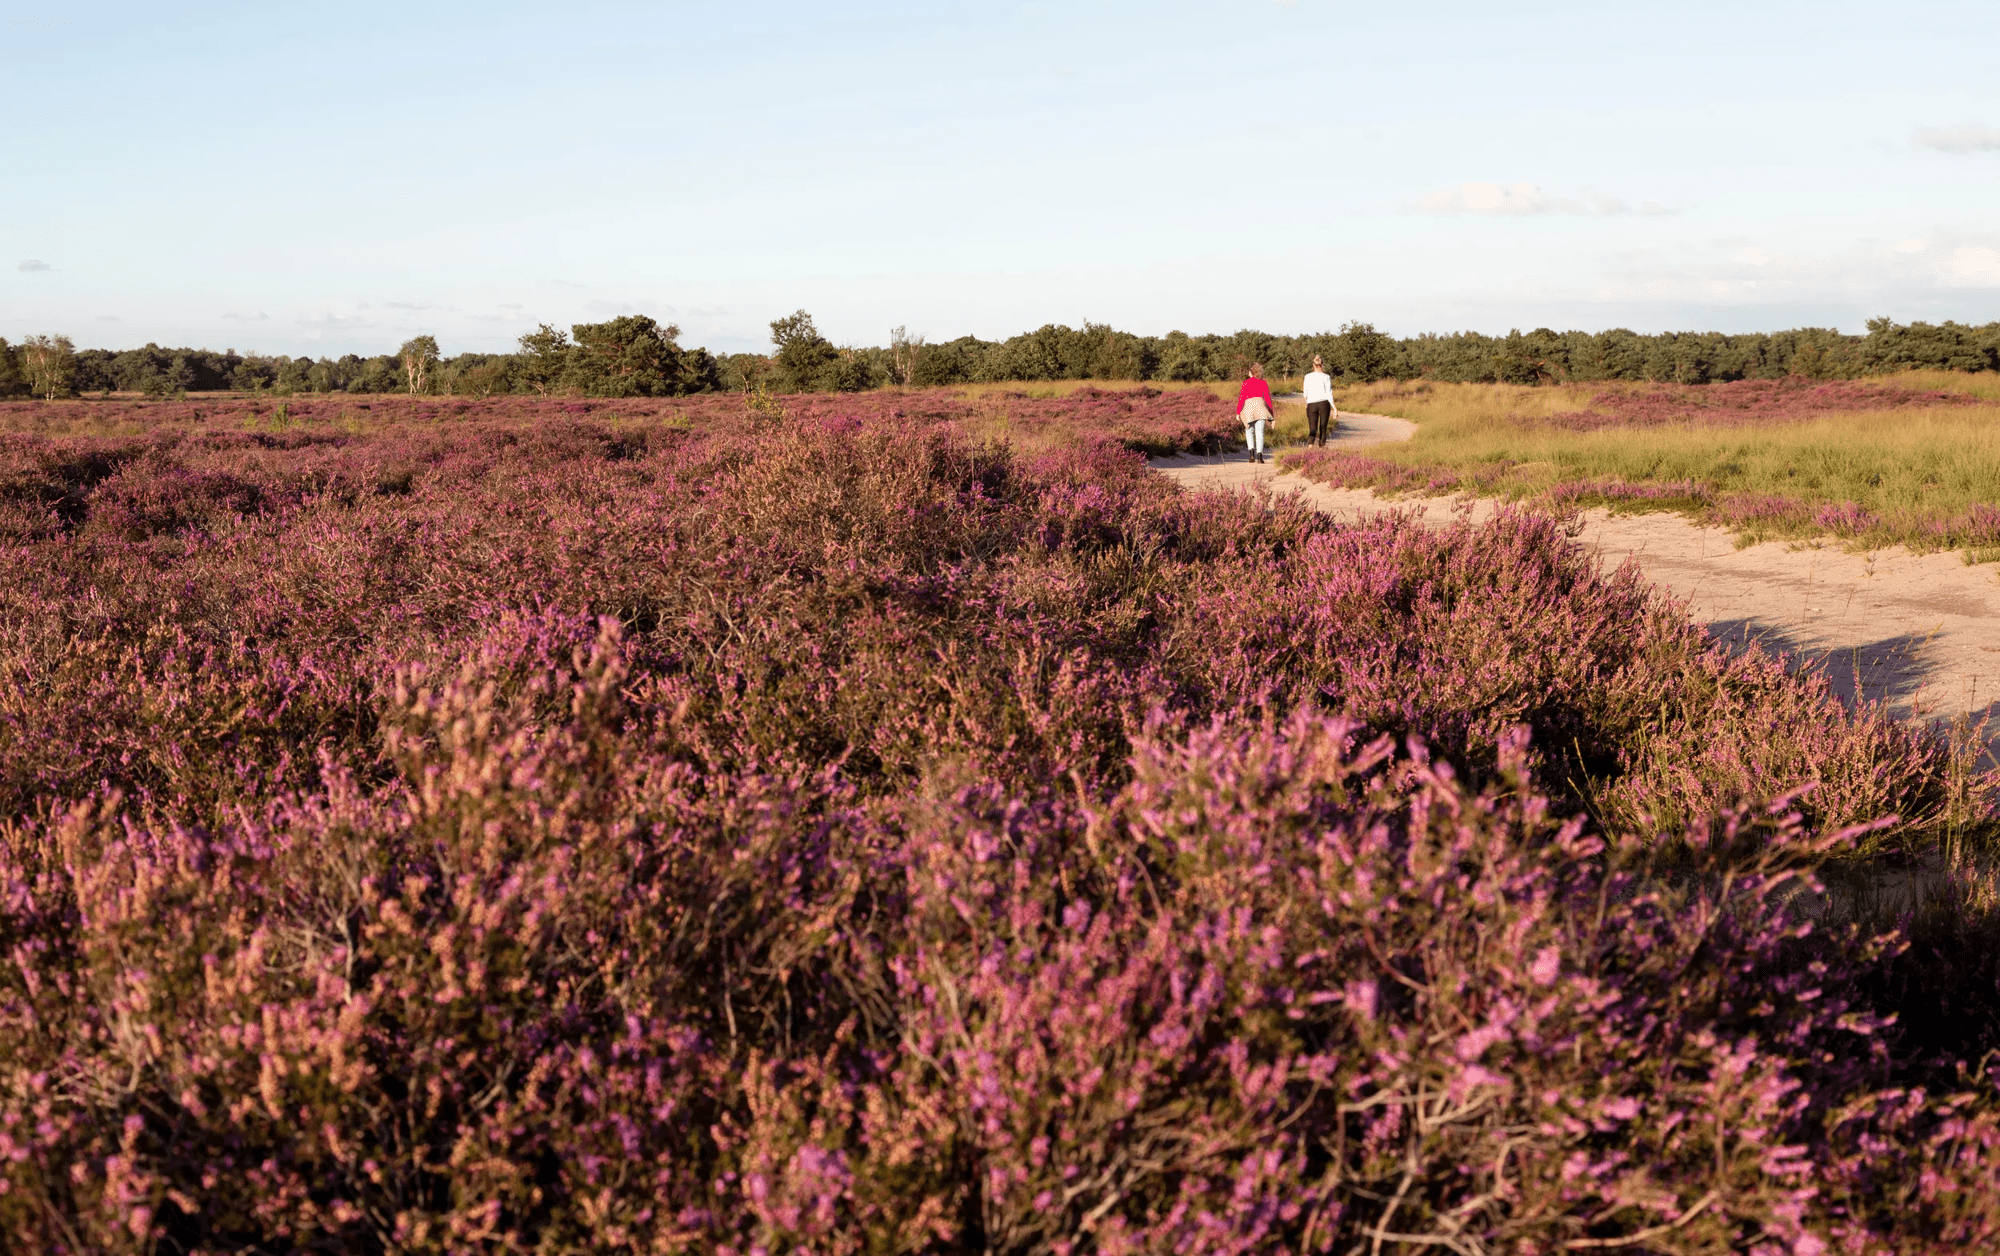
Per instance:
(1919,633)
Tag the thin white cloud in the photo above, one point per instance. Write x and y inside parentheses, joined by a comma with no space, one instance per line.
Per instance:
(1521,200)
(258,317)
(628,307)
(1966,137)
(1971,266)
(32,264)
(1883,273)
(329,321)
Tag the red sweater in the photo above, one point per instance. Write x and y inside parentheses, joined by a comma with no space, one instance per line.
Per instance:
(1254,387)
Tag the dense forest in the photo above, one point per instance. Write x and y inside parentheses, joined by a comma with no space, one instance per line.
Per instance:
(636,356)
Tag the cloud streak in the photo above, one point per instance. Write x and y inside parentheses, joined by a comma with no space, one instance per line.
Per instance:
(32,264)
(1522,200)
(1884,275)
(1966,137)
(628,307)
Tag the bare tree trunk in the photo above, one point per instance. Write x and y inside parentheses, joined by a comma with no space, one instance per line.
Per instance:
(903,355)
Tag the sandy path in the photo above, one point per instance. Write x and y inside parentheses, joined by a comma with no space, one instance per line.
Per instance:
(1919,632)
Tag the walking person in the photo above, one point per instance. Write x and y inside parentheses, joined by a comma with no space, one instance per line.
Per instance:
(1319,404)
(1255,408)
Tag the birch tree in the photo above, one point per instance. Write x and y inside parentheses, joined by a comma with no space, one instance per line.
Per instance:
(903,350)
(49,363)
(419,356)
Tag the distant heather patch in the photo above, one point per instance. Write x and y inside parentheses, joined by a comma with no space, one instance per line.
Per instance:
(1744,403)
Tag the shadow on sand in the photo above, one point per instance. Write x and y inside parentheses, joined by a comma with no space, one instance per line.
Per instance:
(1895,671)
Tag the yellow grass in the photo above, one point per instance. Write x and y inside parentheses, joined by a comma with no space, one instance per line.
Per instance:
(1064,387)
(1289,429)
(1909,466)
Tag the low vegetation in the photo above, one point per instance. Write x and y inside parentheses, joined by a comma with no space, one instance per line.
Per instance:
(1911,459)
(811,824)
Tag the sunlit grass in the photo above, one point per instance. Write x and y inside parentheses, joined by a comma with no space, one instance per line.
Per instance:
(1913,469)
(1043,388)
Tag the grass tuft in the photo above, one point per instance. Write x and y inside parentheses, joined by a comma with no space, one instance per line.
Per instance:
(1911,459)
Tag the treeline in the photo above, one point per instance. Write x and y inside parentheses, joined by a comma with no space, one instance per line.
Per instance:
(637,356)
(632,356)
(1359,352)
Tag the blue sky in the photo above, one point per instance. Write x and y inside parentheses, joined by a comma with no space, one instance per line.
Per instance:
(317,178)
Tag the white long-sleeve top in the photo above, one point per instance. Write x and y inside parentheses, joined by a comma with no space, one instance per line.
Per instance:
(1319,387)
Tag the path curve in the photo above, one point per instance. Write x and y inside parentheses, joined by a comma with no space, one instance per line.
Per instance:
(1920,633)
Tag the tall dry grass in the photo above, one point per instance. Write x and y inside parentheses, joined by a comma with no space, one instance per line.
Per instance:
(1043,389)
(1911,474)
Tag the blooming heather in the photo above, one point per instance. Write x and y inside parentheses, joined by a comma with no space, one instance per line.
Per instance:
(514,828)
(1744,403)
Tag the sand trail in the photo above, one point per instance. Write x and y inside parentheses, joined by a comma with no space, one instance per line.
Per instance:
(1920,633)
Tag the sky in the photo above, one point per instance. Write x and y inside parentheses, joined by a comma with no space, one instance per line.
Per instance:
(323,179)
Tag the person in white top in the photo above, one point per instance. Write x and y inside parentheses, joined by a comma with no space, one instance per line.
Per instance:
(1319,405)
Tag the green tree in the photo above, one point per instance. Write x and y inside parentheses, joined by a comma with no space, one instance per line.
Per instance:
(1030,355)
(805,358)
(954,362)
(253,374)
(746,372)
(295,375)
(1361,352)
(1103,352)
(12,382)
(419,355)
(853,370)
(477,374)
(630,356)
(545,355)
(1186,359)
(379,374)
(700,372)
(1536,358)
(1946,346)
(49,362)
(1246,348)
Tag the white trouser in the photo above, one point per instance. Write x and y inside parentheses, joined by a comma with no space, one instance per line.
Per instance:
(1254,417)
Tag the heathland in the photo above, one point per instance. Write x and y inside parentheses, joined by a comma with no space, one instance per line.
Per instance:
(904,823)
(1910,459)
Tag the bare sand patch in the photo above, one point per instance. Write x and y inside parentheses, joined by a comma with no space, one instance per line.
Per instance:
(1918,632)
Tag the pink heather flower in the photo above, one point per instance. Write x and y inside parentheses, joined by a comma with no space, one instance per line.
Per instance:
(1547,965)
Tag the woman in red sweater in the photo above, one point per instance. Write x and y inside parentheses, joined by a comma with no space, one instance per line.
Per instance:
(1255,408)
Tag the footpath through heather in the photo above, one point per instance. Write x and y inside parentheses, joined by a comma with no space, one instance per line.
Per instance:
(1920,633)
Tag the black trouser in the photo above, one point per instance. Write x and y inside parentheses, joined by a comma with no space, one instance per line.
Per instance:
(1319,421)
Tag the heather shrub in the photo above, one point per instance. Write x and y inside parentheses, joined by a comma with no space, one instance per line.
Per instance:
(1746,402)
(1282,991)
(857,835)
